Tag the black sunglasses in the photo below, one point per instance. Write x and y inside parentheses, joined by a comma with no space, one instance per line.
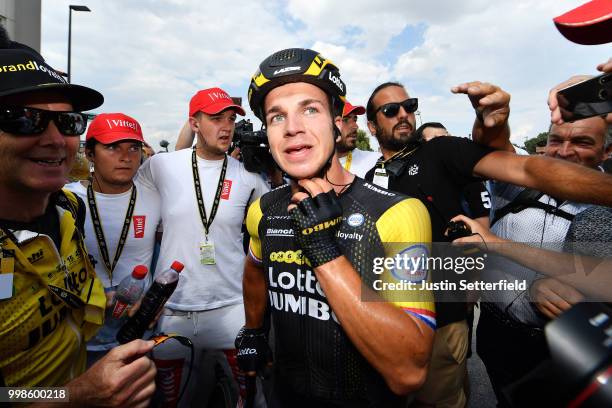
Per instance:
(410,105)
(32,121)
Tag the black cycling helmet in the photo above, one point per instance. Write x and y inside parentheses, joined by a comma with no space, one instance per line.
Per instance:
(296,65)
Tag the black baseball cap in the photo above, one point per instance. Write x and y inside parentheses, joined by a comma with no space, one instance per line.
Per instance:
(23,70)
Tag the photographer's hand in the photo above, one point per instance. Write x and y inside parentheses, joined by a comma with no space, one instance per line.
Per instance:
(553,103)
(235,153)
(492,106)
(605,66)
(480,234)
(553,297)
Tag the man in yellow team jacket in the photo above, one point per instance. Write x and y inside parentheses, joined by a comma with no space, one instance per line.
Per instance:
(51,301)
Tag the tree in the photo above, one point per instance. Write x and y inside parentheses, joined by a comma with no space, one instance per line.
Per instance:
(539,140)
(363,141)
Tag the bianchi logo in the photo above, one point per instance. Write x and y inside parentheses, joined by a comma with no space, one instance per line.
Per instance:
(279,232)
(413,170)
(378,190)
(288,69)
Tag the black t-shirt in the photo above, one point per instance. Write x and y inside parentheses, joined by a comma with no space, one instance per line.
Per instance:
(48,223)
(476,200)
(437,173)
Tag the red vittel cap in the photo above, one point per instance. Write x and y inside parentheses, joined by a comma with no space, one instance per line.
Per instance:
(140,271)
(177,266)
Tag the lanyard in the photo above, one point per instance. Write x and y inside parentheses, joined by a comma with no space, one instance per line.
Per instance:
(399,155)
(198,191)
(349,159)
(97,225)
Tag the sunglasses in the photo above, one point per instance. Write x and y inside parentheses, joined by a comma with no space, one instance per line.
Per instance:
(32,121)
(410,105)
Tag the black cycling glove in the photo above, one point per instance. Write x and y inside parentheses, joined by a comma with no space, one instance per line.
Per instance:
(315,222)
(253,349)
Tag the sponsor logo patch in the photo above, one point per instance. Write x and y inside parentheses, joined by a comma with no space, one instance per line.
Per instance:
(139,225)
(355,220)
(227,188)
(414,269)
(279,232)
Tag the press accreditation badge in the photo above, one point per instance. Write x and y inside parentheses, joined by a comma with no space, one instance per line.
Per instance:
(381,178)
(6,286)
(207,253)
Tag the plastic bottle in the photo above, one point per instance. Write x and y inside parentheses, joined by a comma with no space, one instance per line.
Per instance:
(128,292)
(162,288)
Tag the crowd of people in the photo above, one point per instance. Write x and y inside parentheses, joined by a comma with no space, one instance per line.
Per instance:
(300,301)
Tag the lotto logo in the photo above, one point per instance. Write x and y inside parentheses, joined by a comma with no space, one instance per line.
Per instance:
(227,187)
(139,225)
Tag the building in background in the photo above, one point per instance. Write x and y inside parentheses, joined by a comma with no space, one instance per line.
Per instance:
(22,21)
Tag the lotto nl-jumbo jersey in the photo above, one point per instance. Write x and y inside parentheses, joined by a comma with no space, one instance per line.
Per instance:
(57,303)
(314,356)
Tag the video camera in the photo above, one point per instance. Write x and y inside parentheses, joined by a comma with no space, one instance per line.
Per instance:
(579,371)
(254,147)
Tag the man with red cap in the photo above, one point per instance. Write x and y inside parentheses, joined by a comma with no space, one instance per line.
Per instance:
(354,160)
(114,149)
(204,198)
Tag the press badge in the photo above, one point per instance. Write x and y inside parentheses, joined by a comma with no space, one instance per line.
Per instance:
(207,253)
(381,178)
(6,286)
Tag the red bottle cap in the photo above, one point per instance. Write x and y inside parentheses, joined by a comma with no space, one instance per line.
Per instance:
(140,271)
(177,266)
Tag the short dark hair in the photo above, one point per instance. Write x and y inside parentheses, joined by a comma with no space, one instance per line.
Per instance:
(418,134)
(90,144)
(370,111)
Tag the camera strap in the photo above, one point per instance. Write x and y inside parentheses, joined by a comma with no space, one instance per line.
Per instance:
(97,226)
(207,222)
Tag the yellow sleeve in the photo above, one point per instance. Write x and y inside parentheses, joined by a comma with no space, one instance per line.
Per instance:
(252,222)
(405,232)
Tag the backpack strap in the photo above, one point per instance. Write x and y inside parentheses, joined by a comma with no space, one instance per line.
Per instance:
(529,198)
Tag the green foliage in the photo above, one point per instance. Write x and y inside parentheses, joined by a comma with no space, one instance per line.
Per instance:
(363,141)
(539,140)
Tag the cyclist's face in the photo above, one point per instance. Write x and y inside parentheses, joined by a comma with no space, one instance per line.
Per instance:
(299,125)
(581,142)
(37,163)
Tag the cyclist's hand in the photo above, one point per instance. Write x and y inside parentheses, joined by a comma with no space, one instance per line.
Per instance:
(252,350)
(316,215)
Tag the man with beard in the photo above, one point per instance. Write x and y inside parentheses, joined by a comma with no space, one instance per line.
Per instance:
(355,160)
(437,172)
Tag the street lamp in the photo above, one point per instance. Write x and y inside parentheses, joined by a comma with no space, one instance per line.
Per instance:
(164,143)
(75,8)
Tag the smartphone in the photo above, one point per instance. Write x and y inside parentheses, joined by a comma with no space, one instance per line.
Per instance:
(592,97)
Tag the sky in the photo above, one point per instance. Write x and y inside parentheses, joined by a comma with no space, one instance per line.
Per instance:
(148,57)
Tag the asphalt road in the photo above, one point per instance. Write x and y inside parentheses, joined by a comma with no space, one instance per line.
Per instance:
(481,393)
